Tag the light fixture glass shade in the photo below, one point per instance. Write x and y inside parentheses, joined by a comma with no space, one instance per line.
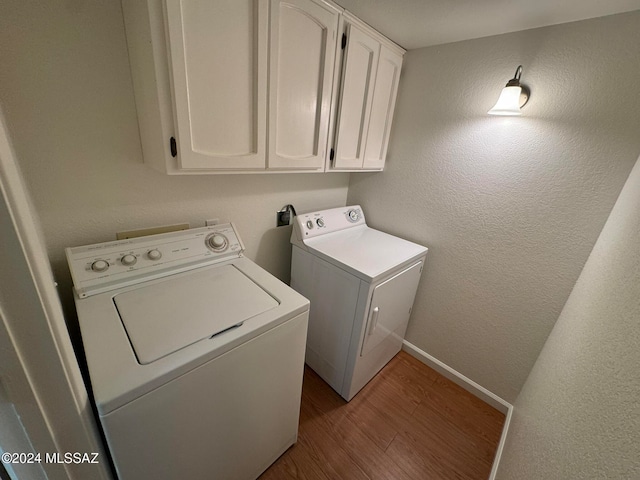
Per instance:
(508,103)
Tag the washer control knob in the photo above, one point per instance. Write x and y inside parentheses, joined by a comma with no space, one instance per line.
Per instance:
(129,260)
(309,224)
(354,216)
(217,242)
(100,266)
(320,222)
(154,254)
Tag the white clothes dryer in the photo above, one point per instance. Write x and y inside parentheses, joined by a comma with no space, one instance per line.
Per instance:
(195,354)
(362,283)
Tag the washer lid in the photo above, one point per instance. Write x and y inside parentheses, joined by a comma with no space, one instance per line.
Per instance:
(171,314)
(364,251)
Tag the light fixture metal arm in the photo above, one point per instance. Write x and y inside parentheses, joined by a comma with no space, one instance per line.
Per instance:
(515,81)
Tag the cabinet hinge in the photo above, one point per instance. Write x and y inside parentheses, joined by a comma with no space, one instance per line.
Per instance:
(332,154)
(344,40)
(174,147)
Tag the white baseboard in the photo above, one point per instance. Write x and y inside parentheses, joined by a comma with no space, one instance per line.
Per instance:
(473,388)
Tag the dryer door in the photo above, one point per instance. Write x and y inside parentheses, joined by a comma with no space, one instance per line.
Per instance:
(390,308)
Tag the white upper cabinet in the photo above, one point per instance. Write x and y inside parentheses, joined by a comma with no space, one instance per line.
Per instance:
(249,86)
(356,95)
(365,103)
(382,108)
(302,59)
(218,52)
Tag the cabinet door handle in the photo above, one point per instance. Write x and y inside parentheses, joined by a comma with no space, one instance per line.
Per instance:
(374,320)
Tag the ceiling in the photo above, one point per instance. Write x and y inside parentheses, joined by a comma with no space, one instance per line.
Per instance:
(422,23)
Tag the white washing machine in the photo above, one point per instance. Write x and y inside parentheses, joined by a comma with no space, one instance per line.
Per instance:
(195,354)
(361,283)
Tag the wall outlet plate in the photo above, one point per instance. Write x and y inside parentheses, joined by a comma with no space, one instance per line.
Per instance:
(283,218)
(212,221)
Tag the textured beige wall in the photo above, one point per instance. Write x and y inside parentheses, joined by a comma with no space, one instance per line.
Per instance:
(510,208)
(66,90)
(578,415)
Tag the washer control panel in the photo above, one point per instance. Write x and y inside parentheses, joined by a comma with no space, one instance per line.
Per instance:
(104,266)
(309,225)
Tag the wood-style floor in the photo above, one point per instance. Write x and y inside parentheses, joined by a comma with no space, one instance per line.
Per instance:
(409,422)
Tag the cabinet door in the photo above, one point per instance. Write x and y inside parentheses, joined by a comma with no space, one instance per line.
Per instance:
(382,107)
(302,52)
(358,76)
(218,53)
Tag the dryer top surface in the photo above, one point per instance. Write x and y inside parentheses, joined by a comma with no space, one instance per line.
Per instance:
(364,251)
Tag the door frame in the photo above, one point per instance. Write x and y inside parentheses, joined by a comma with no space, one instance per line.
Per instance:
(42,393)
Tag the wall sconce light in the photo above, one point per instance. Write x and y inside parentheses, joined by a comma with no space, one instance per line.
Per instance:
(513,97)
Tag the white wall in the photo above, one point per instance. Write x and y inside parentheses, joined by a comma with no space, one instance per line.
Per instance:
(65,86)
(509,208)
(578,415)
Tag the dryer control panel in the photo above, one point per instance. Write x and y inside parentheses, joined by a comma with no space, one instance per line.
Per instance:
(105,266)
(309,225)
